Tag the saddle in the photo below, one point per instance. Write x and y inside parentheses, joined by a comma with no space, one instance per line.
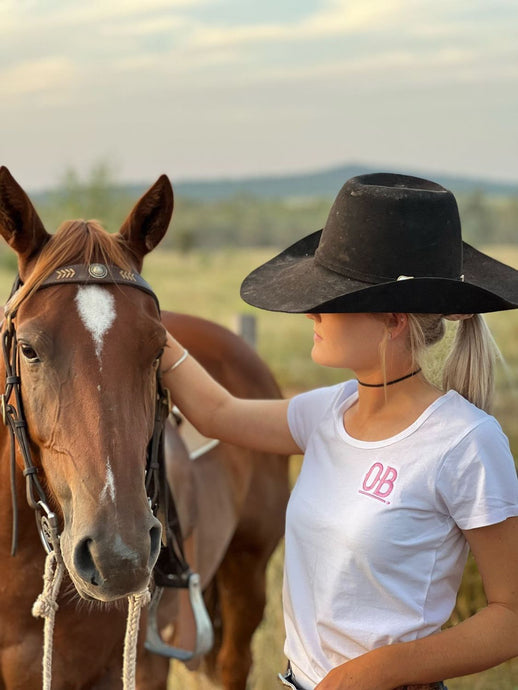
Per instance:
(197,444)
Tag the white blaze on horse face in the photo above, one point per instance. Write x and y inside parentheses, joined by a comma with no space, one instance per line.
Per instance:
(109,485)
(96,308)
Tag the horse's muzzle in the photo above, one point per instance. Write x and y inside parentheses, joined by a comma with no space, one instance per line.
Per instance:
(108,568)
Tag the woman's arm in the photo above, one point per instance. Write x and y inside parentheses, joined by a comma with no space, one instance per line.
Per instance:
(487,639)
(257,424)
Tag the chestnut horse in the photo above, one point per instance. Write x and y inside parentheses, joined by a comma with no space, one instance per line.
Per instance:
(88,352)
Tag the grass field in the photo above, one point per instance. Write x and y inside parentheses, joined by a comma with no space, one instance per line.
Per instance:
(207,284)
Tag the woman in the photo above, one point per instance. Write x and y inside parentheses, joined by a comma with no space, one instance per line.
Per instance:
(399,477)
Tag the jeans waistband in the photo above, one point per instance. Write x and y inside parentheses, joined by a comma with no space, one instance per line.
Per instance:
(288,680)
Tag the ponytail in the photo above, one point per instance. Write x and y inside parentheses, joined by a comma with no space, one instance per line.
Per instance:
(469,367)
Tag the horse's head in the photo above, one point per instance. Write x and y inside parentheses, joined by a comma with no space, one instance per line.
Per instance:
(88,355)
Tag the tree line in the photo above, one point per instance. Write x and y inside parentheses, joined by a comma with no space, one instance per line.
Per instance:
(244,220)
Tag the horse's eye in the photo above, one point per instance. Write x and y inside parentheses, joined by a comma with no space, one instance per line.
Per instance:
(29,353)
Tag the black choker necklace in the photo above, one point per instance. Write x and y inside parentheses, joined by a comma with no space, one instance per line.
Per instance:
(389,383)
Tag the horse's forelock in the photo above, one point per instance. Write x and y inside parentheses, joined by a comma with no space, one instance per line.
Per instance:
(75,242)
(84,241)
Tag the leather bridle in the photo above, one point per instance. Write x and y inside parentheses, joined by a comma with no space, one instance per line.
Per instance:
(172,568)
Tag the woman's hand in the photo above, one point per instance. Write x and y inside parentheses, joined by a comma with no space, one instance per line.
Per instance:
(366,672)
(342,678)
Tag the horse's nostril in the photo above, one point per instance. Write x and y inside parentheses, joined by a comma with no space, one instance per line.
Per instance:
(84,563)
(155,535)
(111,565)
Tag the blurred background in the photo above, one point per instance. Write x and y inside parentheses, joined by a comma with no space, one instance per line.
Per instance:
(259,112)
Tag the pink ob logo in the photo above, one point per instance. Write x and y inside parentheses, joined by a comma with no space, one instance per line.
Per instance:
(379,482)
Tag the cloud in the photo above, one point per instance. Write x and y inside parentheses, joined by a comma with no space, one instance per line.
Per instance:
(176,33)
(201,74)
(86,31)
(31,77)
(144,27)
(78,12)
(344,16)
(354,36)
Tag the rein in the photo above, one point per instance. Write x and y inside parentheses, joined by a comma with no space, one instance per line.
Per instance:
(14,418)
(171,570)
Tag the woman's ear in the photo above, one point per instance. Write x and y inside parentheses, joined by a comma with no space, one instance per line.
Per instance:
(397,324)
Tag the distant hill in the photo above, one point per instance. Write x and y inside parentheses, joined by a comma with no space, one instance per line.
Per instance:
(268,210)
(320,183)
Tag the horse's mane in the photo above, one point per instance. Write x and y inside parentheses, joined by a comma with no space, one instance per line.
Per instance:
(75,242)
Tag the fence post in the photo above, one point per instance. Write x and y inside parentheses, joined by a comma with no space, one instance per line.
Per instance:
(246,328)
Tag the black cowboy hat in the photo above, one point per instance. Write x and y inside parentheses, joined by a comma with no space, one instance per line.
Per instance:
(391,243)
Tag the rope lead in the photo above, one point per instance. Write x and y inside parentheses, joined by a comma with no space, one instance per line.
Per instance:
(45,607)
(129,661)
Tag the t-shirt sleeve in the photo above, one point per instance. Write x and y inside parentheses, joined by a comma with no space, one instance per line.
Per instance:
(307,409)
(477,481)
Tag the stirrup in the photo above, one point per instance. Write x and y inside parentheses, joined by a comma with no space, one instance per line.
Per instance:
(204,632)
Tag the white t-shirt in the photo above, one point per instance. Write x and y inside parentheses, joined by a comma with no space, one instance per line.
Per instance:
(374,548)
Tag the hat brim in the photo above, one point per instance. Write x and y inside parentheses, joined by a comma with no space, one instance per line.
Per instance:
(294,282)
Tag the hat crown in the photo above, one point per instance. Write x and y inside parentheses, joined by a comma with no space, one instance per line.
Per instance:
(383,226)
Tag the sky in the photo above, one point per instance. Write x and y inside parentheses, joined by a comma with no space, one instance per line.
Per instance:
(230,88)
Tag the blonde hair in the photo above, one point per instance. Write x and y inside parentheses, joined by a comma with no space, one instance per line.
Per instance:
(469,367)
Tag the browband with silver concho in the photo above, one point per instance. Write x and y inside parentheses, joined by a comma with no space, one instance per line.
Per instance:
(88,274)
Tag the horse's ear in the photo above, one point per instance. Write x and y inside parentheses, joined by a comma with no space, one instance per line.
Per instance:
(148,221)
(20,225)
